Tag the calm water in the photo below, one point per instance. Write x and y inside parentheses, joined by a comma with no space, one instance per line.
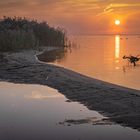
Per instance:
(34,112)
(101,57)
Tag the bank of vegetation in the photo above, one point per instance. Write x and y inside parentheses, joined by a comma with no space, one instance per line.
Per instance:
(18,33)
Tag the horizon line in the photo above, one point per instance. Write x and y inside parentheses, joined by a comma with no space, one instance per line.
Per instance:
(109,34)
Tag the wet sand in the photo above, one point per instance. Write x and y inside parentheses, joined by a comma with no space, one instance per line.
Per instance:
(36,112)
(121,105)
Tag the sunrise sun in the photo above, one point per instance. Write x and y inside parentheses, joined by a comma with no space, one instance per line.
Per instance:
(117,22)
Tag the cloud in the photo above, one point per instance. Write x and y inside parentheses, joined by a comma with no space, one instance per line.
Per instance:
(122,6)
(67,7)
(72,14)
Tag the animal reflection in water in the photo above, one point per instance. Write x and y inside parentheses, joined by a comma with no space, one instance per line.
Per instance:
(132,59)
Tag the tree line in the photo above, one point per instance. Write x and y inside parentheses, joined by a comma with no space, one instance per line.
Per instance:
(22,33)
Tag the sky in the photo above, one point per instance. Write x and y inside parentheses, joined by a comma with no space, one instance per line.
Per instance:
(79,16)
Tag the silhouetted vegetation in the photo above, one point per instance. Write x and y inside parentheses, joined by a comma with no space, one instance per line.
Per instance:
(52,55)
(21,33)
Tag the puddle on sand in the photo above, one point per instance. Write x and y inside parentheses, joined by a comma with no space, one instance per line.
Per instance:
(39,112)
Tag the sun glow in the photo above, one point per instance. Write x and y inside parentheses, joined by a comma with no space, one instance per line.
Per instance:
(117,22)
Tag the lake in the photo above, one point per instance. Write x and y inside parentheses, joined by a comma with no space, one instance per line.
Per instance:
(100,57)
(35,112)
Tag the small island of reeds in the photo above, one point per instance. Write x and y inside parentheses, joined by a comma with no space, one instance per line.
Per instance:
(18,33)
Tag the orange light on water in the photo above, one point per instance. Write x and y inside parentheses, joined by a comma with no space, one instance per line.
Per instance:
(117,46)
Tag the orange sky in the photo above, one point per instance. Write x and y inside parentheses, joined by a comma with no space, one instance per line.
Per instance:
(79,16)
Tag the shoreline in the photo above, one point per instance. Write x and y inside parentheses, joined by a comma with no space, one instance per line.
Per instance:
(120,104)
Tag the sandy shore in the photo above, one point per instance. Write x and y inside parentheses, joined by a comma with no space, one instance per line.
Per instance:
(121,104)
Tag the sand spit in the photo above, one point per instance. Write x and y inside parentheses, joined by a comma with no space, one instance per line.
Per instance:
(121,105)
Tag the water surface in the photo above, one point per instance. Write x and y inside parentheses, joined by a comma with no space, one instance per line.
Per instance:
(101,57)
(34,112)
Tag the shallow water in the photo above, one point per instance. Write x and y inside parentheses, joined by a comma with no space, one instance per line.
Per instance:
(37,112)
(101,57)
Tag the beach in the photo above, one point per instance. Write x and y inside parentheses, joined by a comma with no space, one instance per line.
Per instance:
(120,104)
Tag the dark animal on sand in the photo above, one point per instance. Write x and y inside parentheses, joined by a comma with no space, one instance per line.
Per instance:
(132,59)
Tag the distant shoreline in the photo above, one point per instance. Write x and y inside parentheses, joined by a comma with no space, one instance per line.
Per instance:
(106,34)
(121,105)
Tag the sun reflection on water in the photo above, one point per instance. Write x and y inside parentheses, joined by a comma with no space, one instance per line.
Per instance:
(117,47)
(117,51)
